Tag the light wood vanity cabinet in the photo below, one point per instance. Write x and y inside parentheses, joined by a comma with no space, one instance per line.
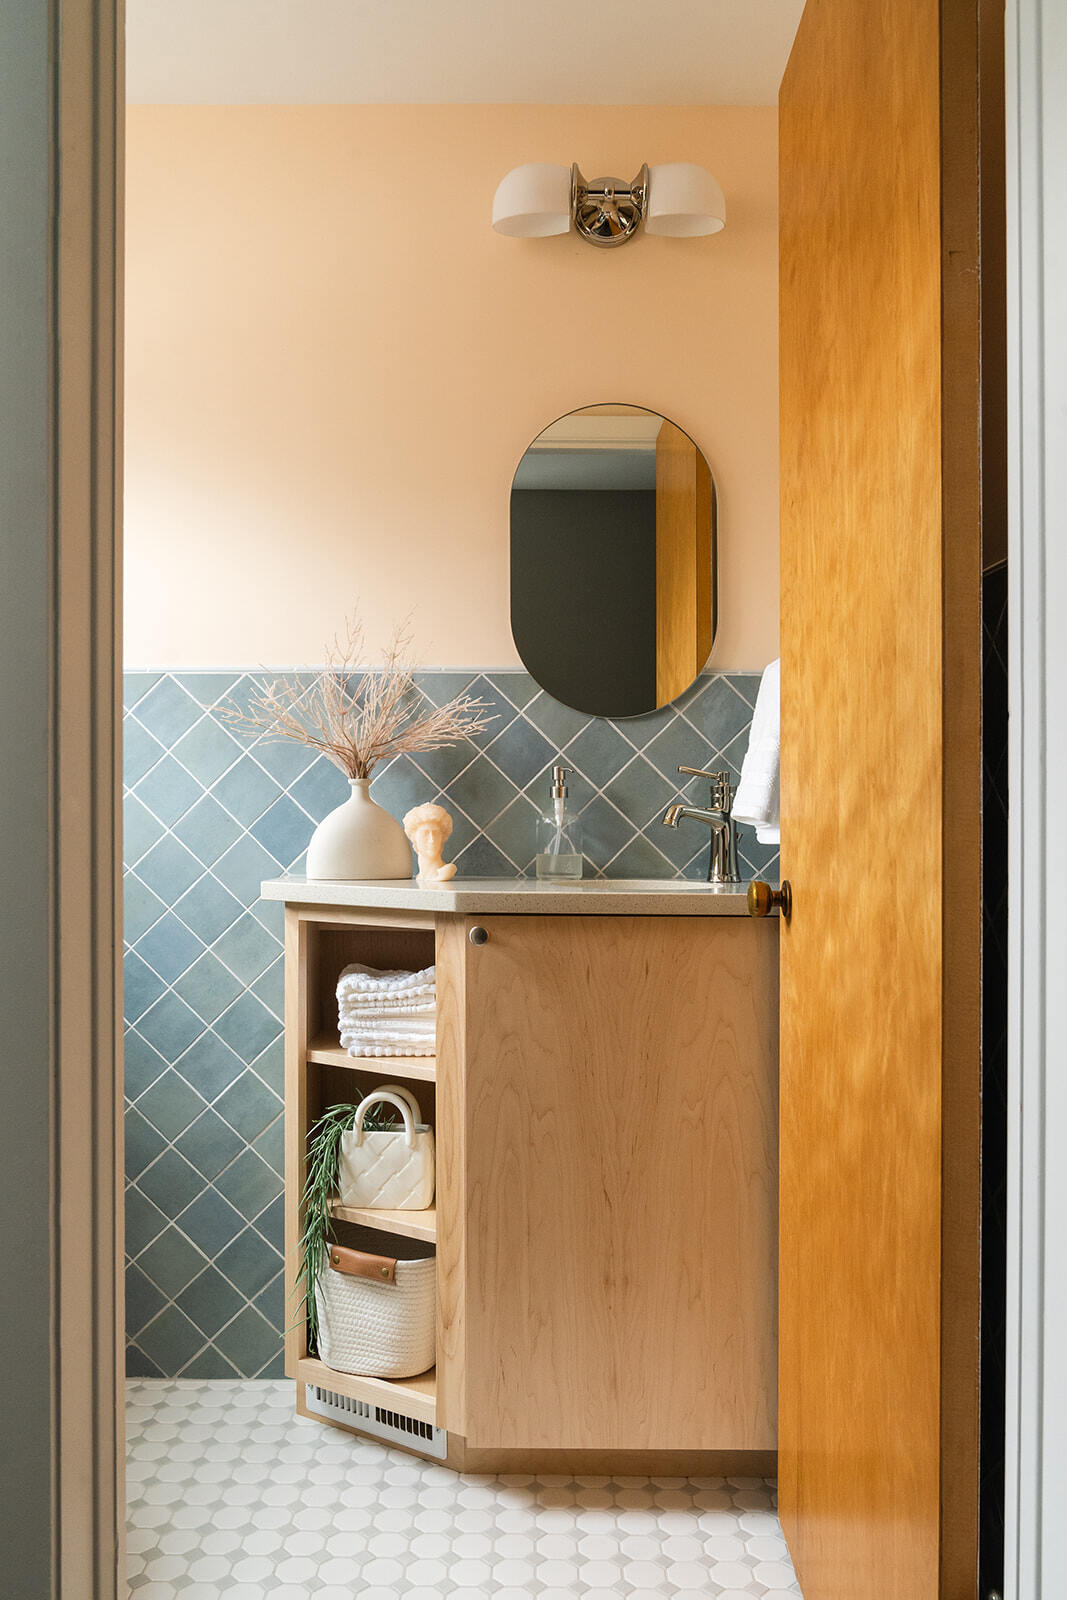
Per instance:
(605,1100)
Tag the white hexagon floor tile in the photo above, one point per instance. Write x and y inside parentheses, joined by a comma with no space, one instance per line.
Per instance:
(234,1497)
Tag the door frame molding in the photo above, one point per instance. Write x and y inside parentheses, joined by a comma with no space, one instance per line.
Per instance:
(75,512)
(62,1509)
(1036,1548)
(87,791)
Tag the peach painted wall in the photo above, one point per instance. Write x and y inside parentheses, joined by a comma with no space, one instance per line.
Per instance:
(333,366)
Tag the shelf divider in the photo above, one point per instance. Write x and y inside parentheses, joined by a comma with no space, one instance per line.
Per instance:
(411,1224)
(328,1052)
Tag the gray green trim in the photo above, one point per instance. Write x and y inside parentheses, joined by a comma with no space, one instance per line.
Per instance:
(27,483)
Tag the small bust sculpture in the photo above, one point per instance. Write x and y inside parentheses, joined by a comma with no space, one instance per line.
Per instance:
(428,827)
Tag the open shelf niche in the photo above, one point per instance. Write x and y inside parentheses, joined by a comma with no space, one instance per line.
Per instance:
(320,1073)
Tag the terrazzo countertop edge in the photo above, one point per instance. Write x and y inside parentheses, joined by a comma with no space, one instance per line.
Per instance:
(633,897)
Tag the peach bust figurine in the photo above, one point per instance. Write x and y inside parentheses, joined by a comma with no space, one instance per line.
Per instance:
(428,827)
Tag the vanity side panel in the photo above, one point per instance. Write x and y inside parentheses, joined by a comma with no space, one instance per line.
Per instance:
(621,1171)
(299,981)
(451,1186)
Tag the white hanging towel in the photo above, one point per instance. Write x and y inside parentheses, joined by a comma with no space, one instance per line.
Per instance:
(757,799)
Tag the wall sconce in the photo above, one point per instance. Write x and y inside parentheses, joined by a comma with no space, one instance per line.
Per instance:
(679,199)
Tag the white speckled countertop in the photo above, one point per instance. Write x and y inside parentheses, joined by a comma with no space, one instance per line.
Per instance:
(597,897)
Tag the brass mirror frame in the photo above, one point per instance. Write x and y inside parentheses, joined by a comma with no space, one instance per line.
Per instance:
(686,580)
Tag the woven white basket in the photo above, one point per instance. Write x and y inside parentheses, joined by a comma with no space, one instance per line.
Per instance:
(378,1329)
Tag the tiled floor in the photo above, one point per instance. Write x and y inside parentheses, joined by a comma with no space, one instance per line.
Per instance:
(233,1497)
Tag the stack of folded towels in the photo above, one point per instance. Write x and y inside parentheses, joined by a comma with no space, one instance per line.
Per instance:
(387,1013)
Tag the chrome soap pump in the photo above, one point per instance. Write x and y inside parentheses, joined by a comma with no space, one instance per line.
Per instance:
(559,834)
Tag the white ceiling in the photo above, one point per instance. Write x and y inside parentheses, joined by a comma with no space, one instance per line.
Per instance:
(533,52)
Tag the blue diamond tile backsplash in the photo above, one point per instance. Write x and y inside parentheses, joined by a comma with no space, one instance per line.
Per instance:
(208,815)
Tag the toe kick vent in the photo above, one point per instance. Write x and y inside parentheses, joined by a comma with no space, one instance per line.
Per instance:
(392,1427)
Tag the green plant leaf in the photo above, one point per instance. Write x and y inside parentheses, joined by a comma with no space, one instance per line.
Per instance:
(320,1188)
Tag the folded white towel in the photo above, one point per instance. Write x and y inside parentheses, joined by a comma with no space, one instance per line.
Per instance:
(414,1027)
(367,981)
(349,1011)
(387,1027)
(387,1002)
(757,799)
(387,1013)
(398,1041)
(426,1048)
(391,1047)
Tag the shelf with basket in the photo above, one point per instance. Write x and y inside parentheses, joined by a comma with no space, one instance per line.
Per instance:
(375,1299)
(408,1224)
(328,1051)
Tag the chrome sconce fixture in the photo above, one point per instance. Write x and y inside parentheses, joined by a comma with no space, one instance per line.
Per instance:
(678,199)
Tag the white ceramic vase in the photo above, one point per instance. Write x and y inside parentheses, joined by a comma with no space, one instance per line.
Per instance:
(359,840)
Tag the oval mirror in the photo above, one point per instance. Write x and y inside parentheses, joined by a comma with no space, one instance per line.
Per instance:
(613,560)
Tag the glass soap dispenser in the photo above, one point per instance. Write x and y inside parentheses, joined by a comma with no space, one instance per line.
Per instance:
(559,834)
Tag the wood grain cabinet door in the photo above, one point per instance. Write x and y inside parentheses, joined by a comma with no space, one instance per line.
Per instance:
(618,1193)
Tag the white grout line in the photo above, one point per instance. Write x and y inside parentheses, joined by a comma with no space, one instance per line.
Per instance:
(211,1105)
(212,1260)
(209,1261)
(171,1145)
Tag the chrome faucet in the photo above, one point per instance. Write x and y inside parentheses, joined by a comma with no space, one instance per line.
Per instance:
(722,860)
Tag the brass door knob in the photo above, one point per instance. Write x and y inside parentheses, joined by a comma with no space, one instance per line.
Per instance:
(762,899)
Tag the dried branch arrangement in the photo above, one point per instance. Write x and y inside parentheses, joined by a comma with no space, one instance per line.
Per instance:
(358,716)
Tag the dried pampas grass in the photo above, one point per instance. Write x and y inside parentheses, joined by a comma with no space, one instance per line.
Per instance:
(355,715)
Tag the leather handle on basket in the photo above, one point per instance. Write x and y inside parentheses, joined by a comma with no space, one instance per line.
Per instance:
(358,1264)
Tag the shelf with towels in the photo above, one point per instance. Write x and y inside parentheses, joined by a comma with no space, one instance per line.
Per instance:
(328,1051)
(410,1224)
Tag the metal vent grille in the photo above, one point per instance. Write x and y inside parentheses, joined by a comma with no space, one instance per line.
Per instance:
(393,1427)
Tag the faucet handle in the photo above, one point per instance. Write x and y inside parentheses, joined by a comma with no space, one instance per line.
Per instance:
(712,777)
(721,790)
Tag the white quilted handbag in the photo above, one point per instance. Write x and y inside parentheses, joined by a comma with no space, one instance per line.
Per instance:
(376,1315)
(390,1169)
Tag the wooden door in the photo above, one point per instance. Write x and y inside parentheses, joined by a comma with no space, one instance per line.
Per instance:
(607,1152)
(881,562)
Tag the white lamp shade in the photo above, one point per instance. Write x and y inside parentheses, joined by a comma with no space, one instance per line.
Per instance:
(533,201)
(684,200)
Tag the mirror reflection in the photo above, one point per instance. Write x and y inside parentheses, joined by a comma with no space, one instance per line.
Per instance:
(613,560)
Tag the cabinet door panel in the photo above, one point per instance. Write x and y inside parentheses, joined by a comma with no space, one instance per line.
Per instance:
(620,1183)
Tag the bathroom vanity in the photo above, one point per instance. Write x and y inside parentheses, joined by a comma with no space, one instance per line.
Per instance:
(604,1095)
